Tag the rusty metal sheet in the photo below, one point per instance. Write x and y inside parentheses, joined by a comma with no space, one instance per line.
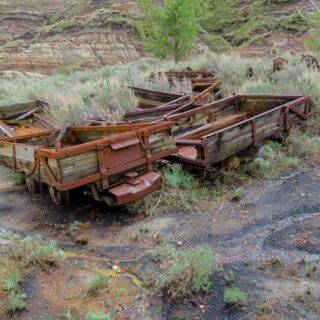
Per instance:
(126,192)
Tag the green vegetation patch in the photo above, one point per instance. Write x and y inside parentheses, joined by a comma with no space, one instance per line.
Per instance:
(80,6)
(226,17)
(217,43)
(295,22)
(257,23)
(57,27)
(183,273)
(233,296)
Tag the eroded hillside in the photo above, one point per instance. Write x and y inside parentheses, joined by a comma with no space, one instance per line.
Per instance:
(41,35)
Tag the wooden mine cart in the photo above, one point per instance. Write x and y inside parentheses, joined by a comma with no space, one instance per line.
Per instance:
(212,133)
(115,163)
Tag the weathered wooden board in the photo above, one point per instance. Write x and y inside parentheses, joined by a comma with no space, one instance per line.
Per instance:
(249,104)
(148,98)
(14,110)
(203,117)
(223,145)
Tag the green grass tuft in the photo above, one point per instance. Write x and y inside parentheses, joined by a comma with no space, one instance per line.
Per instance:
(233,296)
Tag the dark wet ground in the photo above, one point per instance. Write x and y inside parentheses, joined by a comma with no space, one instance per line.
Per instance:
(275,218)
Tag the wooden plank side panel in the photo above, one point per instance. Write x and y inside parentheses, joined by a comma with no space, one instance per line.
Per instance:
(161,141)
(204,117)
(79,166)
(249,104)
(88,136)
(10,111)
(229,142)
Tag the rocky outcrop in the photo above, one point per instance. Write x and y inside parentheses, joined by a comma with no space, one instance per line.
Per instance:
(42,36)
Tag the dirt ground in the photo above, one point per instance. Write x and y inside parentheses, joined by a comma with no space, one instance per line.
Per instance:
(261,238)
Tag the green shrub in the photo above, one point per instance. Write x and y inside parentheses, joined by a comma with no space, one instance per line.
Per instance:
(99,316)
(183,273)
(17,302)
(217,43)
(31,251)
(175,177)
(19,178)
(68,69)
(74,228)
(261,167)
(312,268)
(291,162)
(295,22)
(237,194)
(233,296)
(98,284)
(12,283)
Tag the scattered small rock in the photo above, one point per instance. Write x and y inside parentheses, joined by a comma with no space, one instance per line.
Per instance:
(116,269)
(81,240)
(179,243)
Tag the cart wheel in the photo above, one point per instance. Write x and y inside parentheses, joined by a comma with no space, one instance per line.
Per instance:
(58,197)
(32,185)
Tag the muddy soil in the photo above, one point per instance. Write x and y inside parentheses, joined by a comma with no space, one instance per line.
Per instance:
(261,238)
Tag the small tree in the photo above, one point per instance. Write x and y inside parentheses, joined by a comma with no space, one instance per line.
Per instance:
(314,43)
(171,29)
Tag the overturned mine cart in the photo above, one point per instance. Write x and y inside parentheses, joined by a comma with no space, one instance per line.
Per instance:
(211,133)
(115,164)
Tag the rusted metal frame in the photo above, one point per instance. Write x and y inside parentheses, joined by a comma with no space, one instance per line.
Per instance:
(307,108)
(151,110)
(71,136)
(91,146)
(254,133)
(14,160)
(188,142)
(7,130)
(148,151)
(28,136)
(196,162)
(167,93)
(102,166)
(176,101)
(218,94)
(204,79)
(274,96)
(294,103)
(95,192)
(178,109)
(303,115)
(237,102)
(205,153)
(285,117)
(98,176)
(44,122)
(38,165)
(186,73)
(206,92)
(110,128)
(53,179)
(59,174)
(199,109)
